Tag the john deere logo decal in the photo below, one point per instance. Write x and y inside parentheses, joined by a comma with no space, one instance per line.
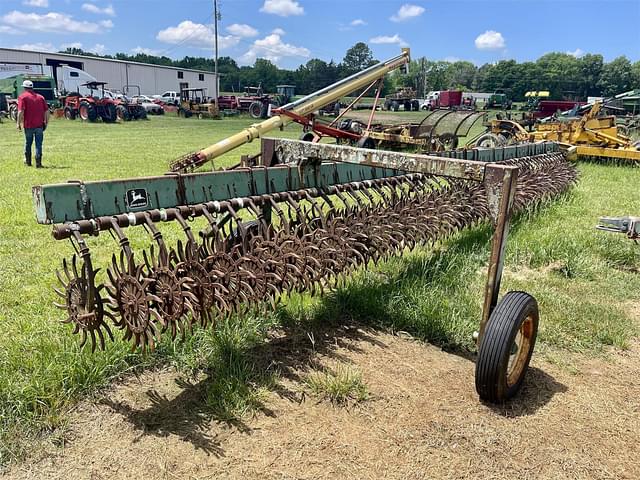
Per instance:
(137,198)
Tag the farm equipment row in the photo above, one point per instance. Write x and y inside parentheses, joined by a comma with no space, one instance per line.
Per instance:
(100,106)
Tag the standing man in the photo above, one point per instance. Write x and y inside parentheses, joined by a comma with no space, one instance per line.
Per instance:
(33,113)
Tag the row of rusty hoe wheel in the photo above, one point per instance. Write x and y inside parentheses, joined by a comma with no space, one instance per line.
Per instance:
(270,245)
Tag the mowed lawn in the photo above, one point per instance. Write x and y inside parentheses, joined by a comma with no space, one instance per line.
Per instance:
(586,282)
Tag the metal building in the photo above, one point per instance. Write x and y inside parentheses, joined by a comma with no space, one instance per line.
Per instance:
(152,79)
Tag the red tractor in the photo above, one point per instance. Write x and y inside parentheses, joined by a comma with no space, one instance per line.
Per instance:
(91,107)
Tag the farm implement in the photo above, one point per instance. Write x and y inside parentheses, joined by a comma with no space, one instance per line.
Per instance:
(303,217)
(590,137)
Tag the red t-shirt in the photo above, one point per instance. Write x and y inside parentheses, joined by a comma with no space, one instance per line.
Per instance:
(34,106)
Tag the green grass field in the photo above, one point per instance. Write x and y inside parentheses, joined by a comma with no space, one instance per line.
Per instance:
(584,280)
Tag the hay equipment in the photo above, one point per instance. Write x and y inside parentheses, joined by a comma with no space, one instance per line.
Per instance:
(301,219)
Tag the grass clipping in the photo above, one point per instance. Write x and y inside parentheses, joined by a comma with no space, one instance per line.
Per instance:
(341,385)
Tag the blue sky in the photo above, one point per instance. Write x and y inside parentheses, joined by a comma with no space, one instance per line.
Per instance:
(290,32)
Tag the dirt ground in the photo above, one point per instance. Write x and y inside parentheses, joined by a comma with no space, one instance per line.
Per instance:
(422,420)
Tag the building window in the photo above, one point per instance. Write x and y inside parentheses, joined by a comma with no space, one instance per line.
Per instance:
(201,77)
(180,74)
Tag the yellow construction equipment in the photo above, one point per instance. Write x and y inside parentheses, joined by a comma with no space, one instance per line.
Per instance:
(593,136)
(302,107)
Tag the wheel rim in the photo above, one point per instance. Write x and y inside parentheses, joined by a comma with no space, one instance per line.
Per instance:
(520,351)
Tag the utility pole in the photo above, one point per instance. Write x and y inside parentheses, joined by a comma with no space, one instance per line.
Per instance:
(215,58)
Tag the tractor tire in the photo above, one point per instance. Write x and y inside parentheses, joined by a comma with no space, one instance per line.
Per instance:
(109,114)
(407,106)
(415,105)
(142,113)
(4,104)
(13,112)
(87,112)
(255,110)
(386,105)
(395,106)
(449,141)
(489,140)
(506,347)
(122,113)
(69,113)
(366,142)
(307,137)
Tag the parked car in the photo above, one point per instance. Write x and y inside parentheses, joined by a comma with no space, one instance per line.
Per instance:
(169,97)
(148,104)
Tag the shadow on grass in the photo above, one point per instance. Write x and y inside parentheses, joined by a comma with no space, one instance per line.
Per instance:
(434,283)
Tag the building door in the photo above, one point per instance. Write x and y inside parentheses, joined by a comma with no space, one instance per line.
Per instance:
(184,85)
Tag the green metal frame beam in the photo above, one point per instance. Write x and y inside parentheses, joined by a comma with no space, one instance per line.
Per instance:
(76,200)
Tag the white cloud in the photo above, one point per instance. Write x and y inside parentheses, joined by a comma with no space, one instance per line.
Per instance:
(406,12)
(53,22)
(91,8)
(10,30)
(38,47)
(278,31)
(242,30)
(273,48)
(284,8)
(357,22)
(578,52)
(64,46)
(36,3)
(146,51)
(388,40)
(192,34)
(98,49)
(490,40)
(451,59)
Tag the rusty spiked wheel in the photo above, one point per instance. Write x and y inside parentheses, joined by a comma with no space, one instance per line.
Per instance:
(506,347)
(130,299)
(83,302)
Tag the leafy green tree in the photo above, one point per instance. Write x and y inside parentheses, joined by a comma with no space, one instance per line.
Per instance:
(616,77)
(357,58)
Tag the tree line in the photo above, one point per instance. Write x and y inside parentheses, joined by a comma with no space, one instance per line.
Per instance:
(564,75)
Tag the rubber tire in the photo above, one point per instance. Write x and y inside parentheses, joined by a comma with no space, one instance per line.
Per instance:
(4,103)
(109,114)
(307,136)
(122,113)
(13,112)
(415,105)
(395,106)
(497,141)
(255,110)
(451,139)
(366,142)
(69,113)
(90,114)
(407,106)
(495,349)
(142,113)
(386,105)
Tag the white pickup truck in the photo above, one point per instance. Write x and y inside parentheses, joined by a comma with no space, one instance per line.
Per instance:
(169,97)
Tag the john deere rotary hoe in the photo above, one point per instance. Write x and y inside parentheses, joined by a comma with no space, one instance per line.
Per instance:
(302,218)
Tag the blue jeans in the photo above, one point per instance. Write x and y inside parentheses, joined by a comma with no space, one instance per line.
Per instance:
(29,135)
